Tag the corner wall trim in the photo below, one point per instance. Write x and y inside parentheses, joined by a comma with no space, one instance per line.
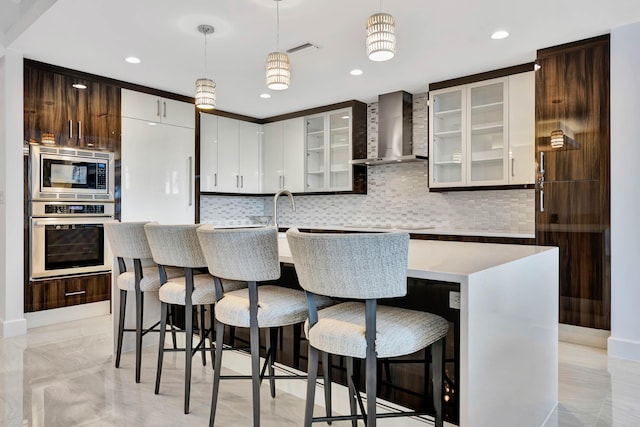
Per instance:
(624,349)
(13,328)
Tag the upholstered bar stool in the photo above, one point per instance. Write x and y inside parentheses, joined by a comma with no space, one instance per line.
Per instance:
(129,241)
(362,268)
(178,246)
(250,254)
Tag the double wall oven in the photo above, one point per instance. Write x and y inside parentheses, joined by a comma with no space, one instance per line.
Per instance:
(72,196)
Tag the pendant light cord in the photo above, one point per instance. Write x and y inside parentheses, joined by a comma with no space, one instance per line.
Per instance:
(205,54)
(278,25)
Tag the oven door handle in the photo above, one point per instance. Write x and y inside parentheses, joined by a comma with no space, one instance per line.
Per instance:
(71,221)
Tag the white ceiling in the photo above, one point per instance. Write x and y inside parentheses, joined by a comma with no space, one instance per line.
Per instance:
(437,40)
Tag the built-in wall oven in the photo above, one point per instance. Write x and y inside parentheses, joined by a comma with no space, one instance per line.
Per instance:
(72,196)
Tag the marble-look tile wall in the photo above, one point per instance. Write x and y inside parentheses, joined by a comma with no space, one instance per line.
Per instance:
(397,194)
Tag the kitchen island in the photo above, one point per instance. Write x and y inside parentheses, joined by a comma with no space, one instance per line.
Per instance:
(508,349)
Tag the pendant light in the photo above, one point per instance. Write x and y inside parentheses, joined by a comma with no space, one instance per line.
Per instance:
(557,139)
(381,37)
(205,87)
(278,65)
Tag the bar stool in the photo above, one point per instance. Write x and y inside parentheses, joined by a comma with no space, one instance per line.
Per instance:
(129,241)
(358,267)
(177,245)
(251,254)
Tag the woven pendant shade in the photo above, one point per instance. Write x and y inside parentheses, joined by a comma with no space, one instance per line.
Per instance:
(278,71)
(381,37)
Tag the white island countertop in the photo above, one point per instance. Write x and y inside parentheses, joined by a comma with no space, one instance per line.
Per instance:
(508,325)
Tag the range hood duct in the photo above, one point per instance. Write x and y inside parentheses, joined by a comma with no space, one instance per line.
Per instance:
(395,131)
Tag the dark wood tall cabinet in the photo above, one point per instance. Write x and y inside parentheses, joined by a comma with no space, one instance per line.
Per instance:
(573,186)
(80,117)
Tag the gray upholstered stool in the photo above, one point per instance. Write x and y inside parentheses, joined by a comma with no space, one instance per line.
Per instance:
(250,254)
(178,246)
(363,267)
(129,241)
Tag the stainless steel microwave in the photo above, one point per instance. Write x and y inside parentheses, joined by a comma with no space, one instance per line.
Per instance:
(64,173)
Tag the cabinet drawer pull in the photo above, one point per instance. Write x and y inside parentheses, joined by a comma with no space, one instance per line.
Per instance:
(71,294)
(541,200)
(70,129)
(79,130)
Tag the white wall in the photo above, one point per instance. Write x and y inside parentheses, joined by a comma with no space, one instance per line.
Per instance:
(12,321)
(625,192)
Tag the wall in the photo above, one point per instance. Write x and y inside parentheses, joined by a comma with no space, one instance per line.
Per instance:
(12,320)
(397,194)
(625,192)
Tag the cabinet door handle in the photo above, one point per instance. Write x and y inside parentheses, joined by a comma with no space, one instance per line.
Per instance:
(71,294)
(70,129)
(513,167)
(541,200)
(241,181)
(158,112)
(215,179)
(284,181)
(237,181)
(542,162)
(190,163)
(164,103)
(79,129)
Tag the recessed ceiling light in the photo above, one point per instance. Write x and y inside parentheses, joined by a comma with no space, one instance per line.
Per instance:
(499,35)
(79,86)
(151,123)
(265,95)
(356,72)
(132,60)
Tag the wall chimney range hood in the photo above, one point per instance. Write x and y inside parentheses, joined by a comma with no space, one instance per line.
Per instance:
(395,131)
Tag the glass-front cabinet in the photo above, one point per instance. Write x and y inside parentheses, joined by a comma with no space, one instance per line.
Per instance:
(447,130)
(328,151)
(481,134)
(488,144)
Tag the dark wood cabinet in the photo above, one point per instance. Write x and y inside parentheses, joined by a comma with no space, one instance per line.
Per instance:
(85,117)
(573,202)
(67,291)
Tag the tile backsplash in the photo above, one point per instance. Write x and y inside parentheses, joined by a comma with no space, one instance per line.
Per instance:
(397,194)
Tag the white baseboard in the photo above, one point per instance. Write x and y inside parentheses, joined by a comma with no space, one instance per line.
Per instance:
(583,336)
(624,349)
(13,328)
(67,314)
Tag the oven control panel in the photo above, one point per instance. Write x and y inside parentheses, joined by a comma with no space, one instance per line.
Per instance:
(66,209)
(73,209)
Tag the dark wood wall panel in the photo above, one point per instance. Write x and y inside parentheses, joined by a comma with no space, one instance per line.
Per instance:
(572,94)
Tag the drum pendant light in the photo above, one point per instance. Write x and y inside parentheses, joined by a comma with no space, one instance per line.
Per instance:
(278,65)
(381,37)
(205,87)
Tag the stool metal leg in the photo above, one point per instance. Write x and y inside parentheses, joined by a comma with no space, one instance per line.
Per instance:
(326,369)
(437,363)
(123,307)
(217,362)
(352,390)
(271,351)
(371,362)
(211,336)
(139,317)
(202,330)
(254,340)
(188,353)
(164,308)
(312,372)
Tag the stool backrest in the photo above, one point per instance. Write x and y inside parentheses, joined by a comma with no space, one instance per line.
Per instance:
(246,254)
(128,239)
(358,265)
(175,245)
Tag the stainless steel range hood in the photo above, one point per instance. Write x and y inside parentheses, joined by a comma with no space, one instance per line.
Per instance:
(395,131)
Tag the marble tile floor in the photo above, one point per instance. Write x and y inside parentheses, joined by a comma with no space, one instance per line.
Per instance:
(63,375)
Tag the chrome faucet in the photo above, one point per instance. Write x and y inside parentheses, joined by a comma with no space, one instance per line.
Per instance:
(275,204)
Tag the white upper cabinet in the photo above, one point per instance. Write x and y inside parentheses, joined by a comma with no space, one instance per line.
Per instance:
(482,134)
(155,109)
(283,159)
(329,151)
(208,152)
(238,156)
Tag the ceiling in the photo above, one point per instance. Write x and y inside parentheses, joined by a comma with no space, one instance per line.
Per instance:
(436,41)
